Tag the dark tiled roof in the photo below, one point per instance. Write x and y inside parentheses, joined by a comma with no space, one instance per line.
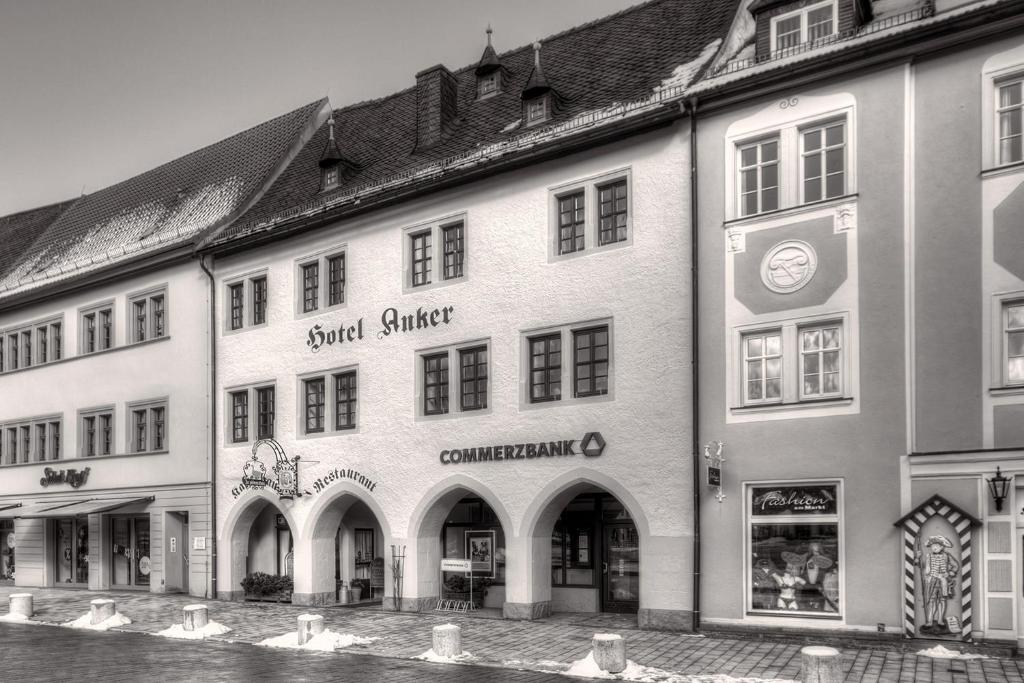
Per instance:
(619,58)
(167,205)
(19,230)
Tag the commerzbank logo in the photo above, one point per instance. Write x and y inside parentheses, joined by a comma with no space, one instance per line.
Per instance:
(591,445)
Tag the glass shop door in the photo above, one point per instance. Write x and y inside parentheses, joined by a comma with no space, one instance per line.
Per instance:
(620,580)
(130,553)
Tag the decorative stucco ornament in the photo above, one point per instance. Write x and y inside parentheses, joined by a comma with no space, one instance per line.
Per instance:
(788,266)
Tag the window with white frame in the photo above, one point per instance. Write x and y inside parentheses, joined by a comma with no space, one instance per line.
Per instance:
(250,413)
(454,380)
(320,282)
(148,315)
(759,176)
(328,401)
(1010,121)
(823,161)
(96,328)
(1013,343)
(147,426)
(435,253)
(587,372)
(805,25)
(96,432)
(245,302)
(591,214)
(801,163)
(33,344)
(794,549)
(798,361)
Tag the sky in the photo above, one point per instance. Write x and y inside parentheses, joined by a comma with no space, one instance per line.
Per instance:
(96,91)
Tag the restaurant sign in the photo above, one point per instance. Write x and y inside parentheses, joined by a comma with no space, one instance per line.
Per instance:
(285,481)
(70,476)
(793,500)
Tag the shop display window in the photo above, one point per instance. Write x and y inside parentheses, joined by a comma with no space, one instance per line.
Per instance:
(7,549)
(470,525)
(572,544)
(795,548)
(72,551)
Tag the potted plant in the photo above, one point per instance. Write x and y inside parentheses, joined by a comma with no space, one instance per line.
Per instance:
(260,585)
(359,588)
(457,588)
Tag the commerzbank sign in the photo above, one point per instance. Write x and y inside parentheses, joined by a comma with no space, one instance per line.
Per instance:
(591,445)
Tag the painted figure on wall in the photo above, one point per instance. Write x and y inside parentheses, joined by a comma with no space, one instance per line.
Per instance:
(938,579)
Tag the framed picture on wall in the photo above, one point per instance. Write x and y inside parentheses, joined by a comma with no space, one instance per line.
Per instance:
(480,549)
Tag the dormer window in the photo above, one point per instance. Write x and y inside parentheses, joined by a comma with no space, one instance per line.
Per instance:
(329,179)
(537,110)
(488,84)
(805,25)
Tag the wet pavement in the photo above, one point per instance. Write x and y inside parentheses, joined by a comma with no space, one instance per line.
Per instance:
(59,654)
(544,645)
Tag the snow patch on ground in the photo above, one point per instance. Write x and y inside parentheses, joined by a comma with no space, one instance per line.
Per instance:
(939,652)
(178,631)
(13,617)
(328,641)
(431,656)
(85,621)
(588,668)
(684,73)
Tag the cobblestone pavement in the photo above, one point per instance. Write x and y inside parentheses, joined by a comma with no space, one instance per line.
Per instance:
(67,655)
(543,645)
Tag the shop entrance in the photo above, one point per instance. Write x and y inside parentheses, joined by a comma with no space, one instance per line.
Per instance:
(71,551)
(620,581)
(131,562)
(7,545)
(595,556)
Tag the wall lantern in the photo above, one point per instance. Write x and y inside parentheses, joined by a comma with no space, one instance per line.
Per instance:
(998,486)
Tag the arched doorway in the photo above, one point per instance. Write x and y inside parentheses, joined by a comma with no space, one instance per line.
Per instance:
(261,541)
(349,554)
(595,556)
(462,520)
(586,537)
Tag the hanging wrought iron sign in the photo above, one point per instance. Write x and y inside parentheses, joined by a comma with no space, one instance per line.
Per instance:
(714,465)
(286,472)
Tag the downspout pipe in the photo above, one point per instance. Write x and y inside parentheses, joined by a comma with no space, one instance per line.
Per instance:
(213,425)
(690,107)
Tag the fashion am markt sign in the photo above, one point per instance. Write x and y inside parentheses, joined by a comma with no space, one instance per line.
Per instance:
(391,322)
(591,445)
(794,500)
(72,477)
(286,473)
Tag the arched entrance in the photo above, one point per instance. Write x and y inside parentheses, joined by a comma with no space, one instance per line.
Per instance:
(462,519)
(587,544)
(261,540)
(349,553)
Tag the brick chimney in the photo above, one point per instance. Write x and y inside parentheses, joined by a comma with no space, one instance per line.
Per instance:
(437,93)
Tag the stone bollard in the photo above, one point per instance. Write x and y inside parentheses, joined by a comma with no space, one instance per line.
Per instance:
(609,652)
(310,625)
(195,617)
(101,610)
(21,603)
(820,664)
(447,640)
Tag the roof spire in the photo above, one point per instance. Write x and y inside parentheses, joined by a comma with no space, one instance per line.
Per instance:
(489,59)
(330,123)
(537,84)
